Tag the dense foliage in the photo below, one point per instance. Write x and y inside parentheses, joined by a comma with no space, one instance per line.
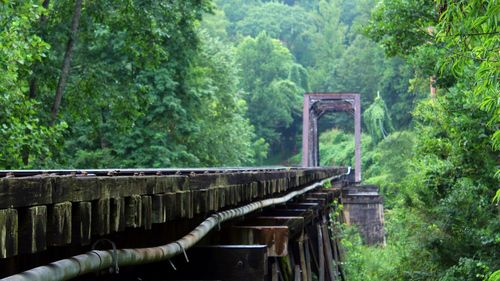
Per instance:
(145,87)
(442,223)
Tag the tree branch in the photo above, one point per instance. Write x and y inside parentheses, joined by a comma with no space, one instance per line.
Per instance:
(67,60)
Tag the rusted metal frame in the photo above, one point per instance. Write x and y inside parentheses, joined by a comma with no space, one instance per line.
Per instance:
(97,260)
(305,131)
(357,139)
(315,105)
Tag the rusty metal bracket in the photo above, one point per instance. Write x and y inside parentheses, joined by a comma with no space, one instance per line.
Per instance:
(172,265)
(114,268)
(183,250)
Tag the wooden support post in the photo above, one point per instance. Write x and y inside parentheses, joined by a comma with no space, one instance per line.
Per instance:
(100,216)
(312,249)
(33,229)
(82,223)
(297,273)
(170,205)
(8,233)
(117,217)
(302,256)
(133,211)
(159,209)
(308,257)
(328,253)
(275,270)
(321,257)
(59,224)
(337,259)
(183,204)
(147,209)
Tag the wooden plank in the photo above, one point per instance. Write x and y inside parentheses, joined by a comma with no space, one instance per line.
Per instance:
(48,190)
(159,212)
(332,271)
(100,217)
(165,184)
(133,211)
(76,189)
(59,224)
(25,192)
(295,223)
(321,252)
(8,233)
(200,201)
(33,229)
(275,237)
(184,204)
(170,205)
(82,223)
(117,216)
(147,210)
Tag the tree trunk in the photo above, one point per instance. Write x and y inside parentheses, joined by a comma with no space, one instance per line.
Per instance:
(67,59)
(43,21)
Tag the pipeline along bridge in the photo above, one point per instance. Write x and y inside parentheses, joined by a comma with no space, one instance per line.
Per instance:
(271,223)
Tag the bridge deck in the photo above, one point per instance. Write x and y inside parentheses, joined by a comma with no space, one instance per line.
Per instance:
(44,209)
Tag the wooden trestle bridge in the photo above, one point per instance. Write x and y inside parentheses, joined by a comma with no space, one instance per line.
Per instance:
(272,224)
(185,224)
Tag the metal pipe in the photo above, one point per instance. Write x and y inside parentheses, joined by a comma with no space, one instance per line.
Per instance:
(97,260)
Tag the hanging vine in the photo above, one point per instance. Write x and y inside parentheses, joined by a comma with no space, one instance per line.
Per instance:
(377,120)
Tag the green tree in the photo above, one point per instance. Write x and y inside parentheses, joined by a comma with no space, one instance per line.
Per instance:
(273,100)
(25,141)
(292,25)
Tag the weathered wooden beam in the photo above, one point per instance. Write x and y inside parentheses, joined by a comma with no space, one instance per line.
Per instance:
(321,254)
(82,223)
(133,211)
(275,237)
(59,224)
(147,211)
(170,205)
(100,216)
(184,204)
(47,190)
(117,217)
(8,233)
(159,211)
(295,224)
(33,229)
